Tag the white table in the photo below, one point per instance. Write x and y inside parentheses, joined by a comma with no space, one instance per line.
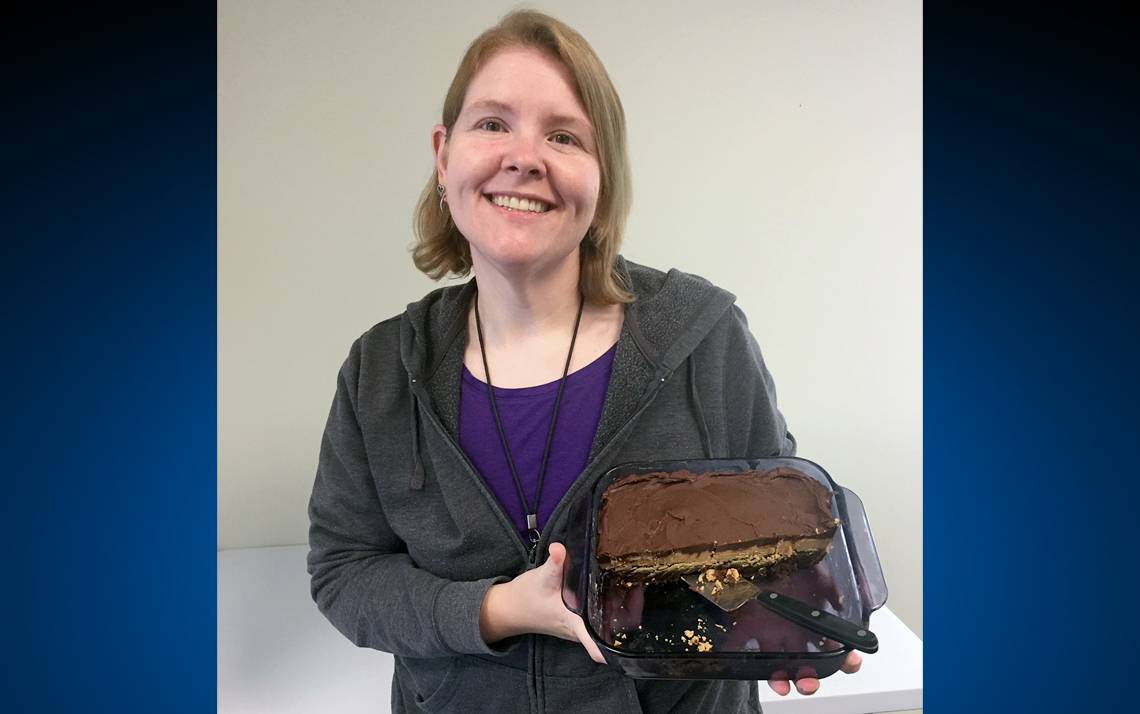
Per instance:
(277,654)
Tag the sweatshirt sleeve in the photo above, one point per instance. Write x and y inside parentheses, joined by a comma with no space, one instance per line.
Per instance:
(757,428)
(363,579)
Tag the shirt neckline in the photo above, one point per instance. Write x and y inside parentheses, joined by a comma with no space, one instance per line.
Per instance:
(540,389)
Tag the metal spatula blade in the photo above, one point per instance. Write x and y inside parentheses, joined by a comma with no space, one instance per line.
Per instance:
(733,592)
(727,594)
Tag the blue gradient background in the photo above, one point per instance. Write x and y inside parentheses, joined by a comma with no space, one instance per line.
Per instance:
(1030,358)
(109,261)
(109,256)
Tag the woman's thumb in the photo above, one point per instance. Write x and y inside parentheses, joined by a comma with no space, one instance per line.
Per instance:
(557,553)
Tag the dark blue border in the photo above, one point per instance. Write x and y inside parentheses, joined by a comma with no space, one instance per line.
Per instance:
(1030,357)
(109,261)
(109,283)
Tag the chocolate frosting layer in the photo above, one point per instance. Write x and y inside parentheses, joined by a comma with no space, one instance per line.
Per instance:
(682,511)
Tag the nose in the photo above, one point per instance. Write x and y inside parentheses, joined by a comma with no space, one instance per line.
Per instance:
(522,158)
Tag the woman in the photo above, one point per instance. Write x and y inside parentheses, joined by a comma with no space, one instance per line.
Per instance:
(441,505)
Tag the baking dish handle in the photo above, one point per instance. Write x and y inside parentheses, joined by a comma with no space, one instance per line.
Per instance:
(864,556)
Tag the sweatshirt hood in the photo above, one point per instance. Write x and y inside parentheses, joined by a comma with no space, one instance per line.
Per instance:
(671,314)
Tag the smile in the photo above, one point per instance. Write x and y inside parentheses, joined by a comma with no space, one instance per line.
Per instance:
(511,203)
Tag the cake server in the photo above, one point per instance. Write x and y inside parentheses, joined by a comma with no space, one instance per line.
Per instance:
(732,596)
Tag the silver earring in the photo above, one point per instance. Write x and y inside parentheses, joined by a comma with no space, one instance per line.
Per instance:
(439,189)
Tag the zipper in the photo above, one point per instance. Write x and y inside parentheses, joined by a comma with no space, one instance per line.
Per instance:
(531,550)
(528,550)
(539,689)
(532,678)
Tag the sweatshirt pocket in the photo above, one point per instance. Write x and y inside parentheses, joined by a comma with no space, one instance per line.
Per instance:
(457,684)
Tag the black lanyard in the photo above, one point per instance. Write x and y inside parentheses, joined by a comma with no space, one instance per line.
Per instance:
(531,513)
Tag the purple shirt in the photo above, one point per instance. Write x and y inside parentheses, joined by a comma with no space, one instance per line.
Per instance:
(526,414)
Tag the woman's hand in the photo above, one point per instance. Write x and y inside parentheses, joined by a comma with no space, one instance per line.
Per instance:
(532,602)
(808,684)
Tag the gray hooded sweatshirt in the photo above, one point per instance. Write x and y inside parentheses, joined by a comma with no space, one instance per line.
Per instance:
(405,538)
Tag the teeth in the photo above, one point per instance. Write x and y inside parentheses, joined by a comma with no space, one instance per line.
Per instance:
(519,204)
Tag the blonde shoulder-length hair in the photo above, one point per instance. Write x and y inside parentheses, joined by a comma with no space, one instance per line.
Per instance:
(440,249)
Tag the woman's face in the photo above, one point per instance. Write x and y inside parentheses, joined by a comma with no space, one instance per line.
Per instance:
(522,134)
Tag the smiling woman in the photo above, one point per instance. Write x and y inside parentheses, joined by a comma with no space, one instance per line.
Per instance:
(465,432)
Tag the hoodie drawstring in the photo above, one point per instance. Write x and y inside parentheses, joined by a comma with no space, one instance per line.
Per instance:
(706,440)
(417,480)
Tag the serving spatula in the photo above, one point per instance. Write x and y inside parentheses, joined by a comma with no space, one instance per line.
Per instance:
(733,592)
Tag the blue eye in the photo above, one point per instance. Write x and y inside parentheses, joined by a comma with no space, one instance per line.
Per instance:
(490,125)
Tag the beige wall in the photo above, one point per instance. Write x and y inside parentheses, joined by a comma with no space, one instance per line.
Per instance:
(777,150)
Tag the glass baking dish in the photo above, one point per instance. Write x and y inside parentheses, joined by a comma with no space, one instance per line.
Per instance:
(648,631)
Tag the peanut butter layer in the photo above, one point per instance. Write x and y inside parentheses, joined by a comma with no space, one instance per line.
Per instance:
(754,560)
(661,525)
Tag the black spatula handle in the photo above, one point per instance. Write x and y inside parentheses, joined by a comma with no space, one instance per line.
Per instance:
(821,621)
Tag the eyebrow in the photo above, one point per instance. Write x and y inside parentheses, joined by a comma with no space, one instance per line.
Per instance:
(501,108)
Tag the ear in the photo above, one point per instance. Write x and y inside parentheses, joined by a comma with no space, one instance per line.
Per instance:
(439,148)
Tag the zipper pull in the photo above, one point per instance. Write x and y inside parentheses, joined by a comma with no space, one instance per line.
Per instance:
(535,536)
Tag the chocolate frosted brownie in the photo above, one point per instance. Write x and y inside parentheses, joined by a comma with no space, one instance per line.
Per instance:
(659,526)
